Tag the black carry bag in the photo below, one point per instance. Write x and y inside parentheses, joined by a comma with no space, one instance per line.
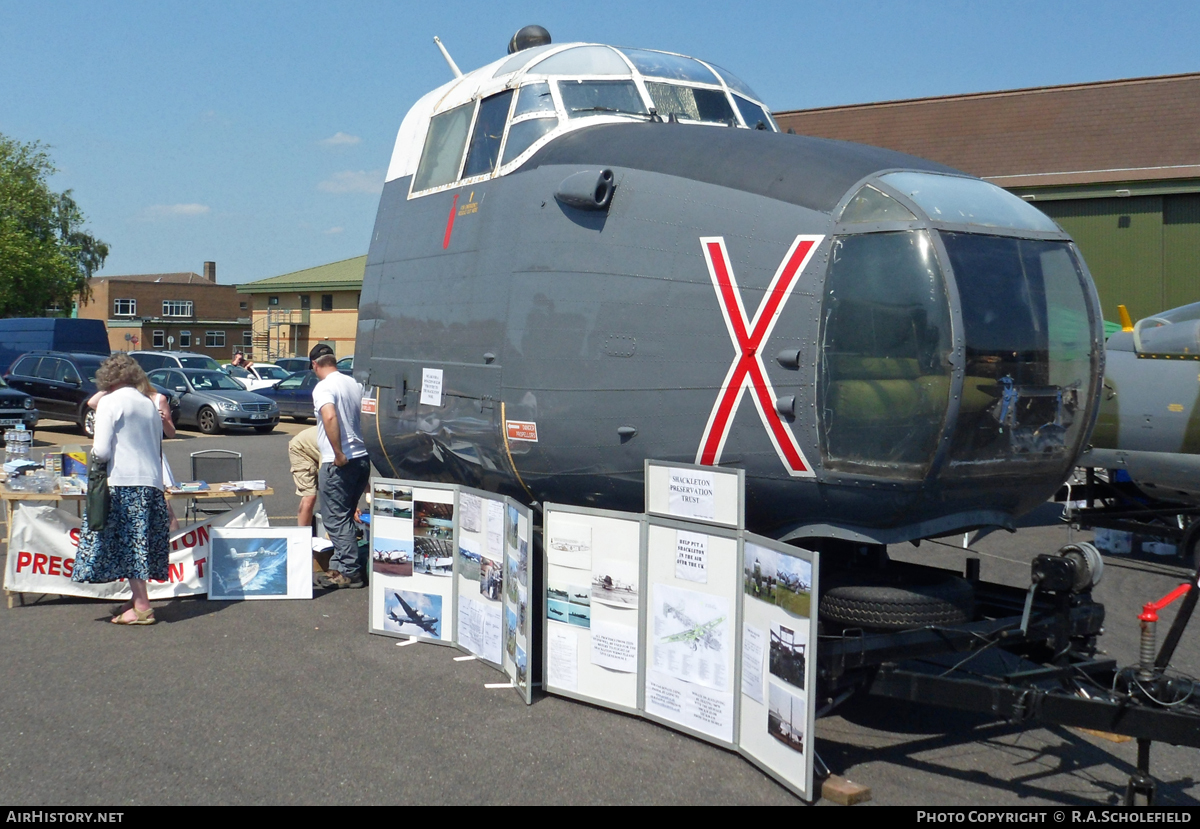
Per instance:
(98,498)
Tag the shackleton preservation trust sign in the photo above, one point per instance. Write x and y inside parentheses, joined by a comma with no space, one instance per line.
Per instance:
(691,494)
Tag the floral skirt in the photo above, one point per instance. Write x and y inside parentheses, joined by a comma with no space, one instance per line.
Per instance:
(134,543)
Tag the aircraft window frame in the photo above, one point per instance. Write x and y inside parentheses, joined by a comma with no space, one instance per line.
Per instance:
(523,58)
(442,185)
(680,62)
(639,91)
(589,72)
(733,82)
(476,142)
(505,161)
(769,123)
(962,193)
(736,119)
(526,68)
(518,114)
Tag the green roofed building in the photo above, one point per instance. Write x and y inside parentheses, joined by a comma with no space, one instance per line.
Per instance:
(293,312)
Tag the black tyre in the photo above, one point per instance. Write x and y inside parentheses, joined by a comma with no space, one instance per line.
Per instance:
(87,423)
(207,421)
(880,606)
(300,419)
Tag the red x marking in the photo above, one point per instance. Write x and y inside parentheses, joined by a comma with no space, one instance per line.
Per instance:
(747,371)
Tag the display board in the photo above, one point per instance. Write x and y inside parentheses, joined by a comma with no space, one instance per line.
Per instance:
(692,584)
(518,615)
(451,564)
(704,494)
(479,571)
(594,604)
(413,539)
(778,660)
(260,563)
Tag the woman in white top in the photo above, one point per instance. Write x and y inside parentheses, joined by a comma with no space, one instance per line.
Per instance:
(134,542)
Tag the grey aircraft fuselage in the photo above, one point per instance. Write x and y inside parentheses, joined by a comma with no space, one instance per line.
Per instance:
(889,348)
(1149,421)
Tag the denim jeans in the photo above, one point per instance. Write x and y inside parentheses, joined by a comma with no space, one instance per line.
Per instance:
(341,487)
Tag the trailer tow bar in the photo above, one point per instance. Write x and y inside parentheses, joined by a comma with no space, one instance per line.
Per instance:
(1151,680)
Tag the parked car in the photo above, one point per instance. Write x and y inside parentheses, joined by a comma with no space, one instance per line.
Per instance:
(346,364)
(294,363)
(16,408)
(213,401)
(62,382)
(257,376)
(294,395)
(150,360)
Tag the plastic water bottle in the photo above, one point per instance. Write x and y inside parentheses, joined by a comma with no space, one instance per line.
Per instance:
(17,443)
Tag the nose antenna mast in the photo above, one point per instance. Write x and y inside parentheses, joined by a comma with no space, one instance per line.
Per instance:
(453,66)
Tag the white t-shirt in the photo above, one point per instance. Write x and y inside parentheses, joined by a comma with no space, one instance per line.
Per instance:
(346,396)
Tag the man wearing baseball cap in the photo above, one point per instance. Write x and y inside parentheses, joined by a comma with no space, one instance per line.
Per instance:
(345,468)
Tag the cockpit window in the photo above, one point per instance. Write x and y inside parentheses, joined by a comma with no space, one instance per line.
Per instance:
(753,114)
(690,103)
(522,59)
(735,83)
(534,97)
(663,65)
(583,60)
(522,135)
(489,130)
(584,98)
(444,145)
(872,205)
(1029,372)
(884,373)
(968,201)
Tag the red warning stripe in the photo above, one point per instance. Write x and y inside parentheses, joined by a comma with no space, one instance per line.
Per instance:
(450,223)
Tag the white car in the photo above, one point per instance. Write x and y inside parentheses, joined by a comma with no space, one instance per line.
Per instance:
(257,375)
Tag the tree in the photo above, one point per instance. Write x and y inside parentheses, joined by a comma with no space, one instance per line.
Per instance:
(46,257)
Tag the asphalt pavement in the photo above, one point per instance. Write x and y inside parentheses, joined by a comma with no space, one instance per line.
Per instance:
(293,702)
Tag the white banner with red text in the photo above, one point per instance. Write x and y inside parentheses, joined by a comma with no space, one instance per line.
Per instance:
(41,553)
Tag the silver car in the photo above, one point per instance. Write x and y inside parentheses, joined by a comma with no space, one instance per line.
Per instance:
(212,401)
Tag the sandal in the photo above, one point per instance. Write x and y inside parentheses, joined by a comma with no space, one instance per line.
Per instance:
(141,617)
(123,609)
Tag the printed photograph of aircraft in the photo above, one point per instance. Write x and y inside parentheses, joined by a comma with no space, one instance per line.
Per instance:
(402,613)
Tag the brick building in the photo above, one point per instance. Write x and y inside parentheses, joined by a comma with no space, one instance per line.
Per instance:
(180,311)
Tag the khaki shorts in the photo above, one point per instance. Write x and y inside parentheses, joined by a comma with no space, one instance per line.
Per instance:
(304,473)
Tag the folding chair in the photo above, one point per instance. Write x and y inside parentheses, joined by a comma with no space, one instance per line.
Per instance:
(214,466)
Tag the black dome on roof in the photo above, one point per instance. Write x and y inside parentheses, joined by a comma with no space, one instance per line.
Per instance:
(527,37)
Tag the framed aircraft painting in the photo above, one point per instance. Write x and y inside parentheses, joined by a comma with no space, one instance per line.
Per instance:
(260,563)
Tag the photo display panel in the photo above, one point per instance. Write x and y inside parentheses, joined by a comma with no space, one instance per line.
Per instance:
(594,600)
(518,617)
(778,660)
(260,563)
(705,494)
(482,537)
(412,560)
(692,583)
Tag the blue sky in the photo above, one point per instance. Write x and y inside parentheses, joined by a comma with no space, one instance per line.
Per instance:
(256,134)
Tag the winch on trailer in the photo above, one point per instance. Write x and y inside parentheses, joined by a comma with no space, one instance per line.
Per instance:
(923,634)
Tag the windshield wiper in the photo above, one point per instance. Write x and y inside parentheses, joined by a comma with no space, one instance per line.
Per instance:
(609,109)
